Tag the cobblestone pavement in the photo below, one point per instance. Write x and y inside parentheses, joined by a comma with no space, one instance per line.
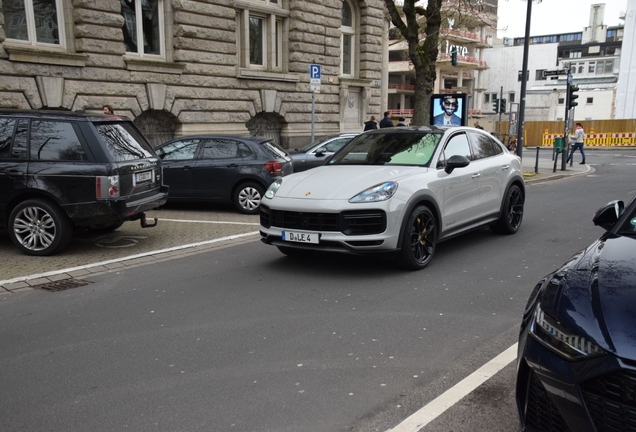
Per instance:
(186,224)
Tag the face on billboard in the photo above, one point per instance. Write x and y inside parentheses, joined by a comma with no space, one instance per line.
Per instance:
(450,106)
(447,110)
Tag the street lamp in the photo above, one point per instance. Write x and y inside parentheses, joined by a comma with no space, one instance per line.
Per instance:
(524,74)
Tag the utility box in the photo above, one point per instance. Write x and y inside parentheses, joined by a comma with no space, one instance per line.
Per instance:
(558,144)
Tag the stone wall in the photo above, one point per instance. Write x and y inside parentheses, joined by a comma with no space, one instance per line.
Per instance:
(199,83)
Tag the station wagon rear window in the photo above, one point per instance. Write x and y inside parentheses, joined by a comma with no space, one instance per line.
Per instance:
(124,142)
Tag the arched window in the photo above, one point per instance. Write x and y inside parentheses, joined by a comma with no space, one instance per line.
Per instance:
(347,40)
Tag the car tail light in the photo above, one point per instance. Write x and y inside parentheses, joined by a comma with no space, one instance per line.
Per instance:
(274,167)
(107,187)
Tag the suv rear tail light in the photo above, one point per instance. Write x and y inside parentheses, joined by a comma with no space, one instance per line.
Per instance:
(107,187)
(274,167)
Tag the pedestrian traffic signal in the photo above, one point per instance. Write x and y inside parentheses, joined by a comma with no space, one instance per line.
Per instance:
(502,107)
(495,105)
(454,56)
(572,96)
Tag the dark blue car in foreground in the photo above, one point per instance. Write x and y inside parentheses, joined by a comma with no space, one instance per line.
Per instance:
(576,366)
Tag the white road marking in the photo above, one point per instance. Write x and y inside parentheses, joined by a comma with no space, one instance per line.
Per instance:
(210,222)
(139,255)
(436,407)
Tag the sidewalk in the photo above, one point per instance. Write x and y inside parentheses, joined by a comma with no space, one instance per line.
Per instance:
(544,171)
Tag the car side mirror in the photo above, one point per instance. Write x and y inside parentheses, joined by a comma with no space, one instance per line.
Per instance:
(319,153)
(607,216)
(456,161)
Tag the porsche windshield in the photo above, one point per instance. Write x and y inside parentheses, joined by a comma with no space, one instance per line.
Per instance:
(398,148)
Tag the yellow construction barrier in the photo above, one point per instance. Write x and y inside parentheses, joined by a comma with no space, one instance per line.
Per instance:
(625,139)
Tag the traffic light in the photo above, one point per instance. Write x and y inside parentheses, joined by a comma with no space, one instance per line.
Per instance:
(502,106)
(572,89)
(495,105)
(454,56)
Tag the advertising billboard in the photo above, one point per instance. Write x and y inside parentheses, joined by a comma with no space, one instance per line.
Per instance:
(449,109)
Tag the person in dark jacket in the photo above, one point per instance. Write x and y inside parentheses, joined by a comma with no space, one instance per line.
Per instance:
(371,124)
(386,121)
(401,121)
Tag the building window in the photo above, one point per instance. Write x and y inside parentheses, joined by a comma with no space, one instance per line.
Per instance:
(591,67)
(347,40)
(561,101)
(261,36)
(538,76)
(511,97)
(36,22)
(575,54)
(590,100)
(143,27)
(486,97)
(609,66)
(520,73)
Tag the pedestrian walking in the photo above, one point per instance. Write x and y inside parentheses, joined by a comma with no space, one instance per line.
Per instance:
(578,139)
(401,121)
(386,121)
(371,124)
(477,125)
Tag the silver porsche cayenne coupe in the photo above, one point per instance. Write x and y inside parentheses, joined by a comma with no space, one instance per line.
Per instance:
(397,191)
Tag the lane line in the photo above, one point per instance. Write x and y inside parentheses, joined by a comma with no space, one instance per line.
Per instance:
(450,397)
(139,255)
(210,222)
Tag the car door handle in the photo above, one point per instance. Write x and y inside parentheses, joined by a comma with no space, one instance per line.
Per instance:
(232,165)
(477,175)
(186,167)
(505,167)
(14,173)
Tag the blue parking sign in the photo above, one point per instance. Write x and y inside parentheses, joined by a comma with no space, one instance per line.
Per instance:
(314,71)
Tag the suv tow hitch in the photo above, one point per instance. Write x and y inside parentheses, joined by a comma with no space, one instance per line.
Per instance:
(145,224)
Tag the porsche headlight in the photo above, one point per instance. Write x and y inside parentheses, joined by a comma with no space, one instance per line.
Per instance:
(560,339)
(381,192)
(271,190)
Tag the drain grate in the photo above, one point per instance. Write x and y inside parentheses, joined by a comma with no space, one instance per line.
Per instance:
(62,285)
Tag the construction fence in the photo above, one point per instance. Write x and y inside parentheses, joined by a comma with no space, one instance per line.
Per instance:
(599,133)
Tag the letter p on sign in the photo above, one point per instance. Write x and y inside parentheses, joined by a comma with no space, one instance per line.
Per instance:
(314,71)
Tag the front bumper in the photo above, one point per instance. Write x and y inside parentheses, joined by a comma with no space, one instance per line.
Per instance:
(558,395)
(362,230)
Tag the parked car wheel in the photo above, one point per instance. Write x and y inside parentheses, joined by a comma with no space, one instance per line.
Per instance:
(248,196)
(512,212)
(419,239)
(39,227)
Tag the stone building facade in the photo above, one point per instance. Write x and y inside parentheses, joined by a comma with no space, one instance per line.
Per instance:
(183,67)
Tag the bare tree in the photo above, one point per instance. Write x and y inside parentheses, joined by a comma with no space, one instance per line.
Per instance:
(421,26)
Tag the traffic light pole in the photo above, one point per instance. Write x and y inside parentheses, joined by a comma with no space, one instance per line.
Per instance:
(500,98)
(566,139)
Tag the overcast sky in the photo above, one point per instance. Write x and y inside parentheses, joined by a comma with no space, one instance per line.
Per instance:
(553,16)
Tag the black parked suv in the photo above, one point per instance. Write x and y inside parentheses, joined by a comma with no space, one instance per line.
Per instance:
(60,170)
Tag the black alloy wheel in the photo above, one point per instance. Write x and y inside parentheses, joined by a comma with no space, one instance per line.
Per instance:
(512,212)
(419,239)
(39,227)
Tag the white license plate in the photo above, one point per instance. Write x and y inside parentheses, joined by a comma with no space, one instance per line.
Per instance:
(143,176)
(300,237)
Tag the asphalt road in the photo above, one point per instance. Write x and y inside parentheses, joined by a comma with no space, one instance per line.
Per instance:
(242,338)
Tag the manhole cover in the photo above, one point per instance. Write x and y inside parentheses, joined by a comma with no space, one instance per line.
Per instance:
(62,285)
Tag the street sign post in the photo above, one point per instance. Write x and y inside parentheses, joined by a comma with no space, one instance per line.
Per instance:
(314,87)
